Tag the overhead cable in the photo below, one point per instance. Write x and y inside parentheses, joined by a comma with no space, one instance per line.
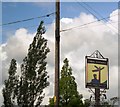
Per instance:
(93,14)
(86,24)
(14,22)
(97,13)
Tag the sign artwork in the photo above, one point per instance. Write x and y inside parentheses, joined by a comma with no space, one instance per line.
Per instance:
(97,73)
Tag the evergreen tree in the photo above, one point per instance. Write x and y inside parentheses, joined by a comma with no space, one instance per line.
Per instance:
(69,96)
(10,85)
(33,71)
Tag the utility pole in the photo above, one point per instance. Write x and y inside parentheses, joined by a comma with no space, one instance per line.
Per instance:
(57,53)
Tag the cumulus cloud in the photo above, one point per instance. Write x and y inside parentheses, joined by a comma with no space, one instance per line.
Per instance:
(66,20)
(17,45)
(113,14)
(1,98)
(113,82)
(3,55)
(75,45)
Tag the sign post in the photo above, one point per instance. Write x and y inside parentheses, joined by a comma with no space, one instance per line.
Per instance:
(97,74)
(97,97)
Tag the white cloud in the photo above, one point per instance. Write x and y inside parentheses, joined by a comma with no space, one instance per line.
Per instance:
(1,97)
(66,20)
(114,15)
(113,82)
(17,45)
(3,55)
(75,45)
(113,22)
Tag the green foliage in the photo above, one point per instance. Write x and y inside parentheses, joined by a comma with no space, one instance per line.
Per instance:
(76,101)
(69,96)
(51,102)
(33,69)
(10,85)
(33,79)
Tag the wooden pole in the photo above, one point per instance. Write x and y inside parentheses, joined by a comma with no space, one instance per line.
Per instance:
(57,53)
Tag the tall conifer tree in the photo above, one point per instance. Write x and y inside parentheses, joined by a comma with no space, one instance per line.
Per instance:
(33,71)
(10,85)
(69,96)
(27,90)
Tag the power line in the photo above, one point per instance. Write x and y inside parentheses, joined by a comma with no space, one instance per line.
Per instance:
(93,25)
(80,26)
(86,24)
(63,31)
(25,27)
(97,13)
(14,22)
(87,9)
(91,13)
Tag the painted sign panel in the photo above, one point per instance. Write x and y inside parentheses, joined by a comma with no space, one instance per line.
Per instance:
(97,73)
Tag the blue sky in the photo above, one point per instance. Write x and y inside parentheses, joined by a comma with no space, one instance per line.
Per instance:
(13,11)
